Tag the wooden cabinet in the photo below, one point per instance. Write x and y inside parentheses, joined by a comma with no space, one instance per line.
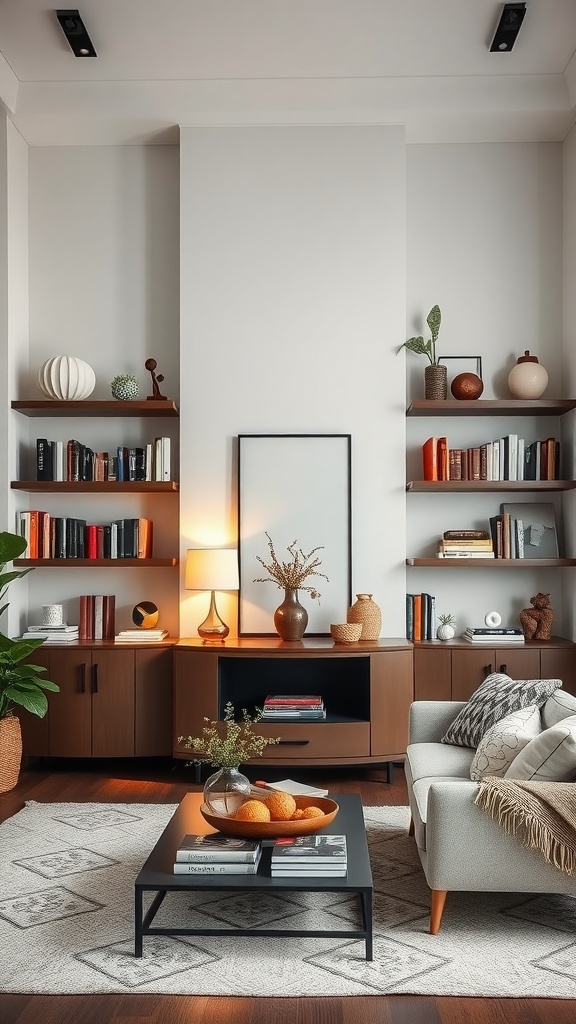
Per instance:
(367,690)
(454,669)
(113,702)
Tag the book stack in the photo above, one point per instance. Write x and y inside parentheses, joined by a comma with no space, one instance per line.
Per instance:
(141,635)
(216,854)
(61,634)
(319,855)
(465,544)
(420,617)
(505,635)
(296,707)
(97,618)
(506,458)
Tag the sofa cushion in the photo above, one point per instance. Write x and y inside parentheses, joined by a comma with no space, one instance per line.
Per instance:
(438,759)
(560,705)
(504,741)
(550,757)
(496,697)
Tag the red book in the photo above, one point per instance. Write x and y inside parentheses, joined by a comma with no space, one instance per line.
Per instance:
(90,616)
(430,458)
(99,547)
(283,701)
(108,617)
(442,458)
(91,545)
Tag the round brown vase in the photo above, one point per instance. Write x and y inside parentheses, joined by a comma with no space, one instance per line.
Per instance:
(290,617)
(366,611)
(10,752)
(436,382)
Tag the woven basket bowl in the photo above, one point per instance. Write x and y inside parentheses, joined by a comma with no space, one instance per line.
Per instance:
(10,752)
(346,632)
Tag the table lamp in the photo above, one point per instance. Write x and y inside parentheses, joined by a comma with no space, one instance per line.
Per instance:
(212,569)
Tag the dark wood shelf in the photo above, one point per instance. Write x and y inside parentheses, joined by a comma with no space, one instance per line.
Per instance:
(492,563)
(491,407)
(142,408)
(97,486)
(92,563)
(490,485)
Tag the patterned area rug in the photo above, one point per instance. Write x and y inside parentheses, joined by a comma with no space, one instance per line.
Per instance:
(66,923)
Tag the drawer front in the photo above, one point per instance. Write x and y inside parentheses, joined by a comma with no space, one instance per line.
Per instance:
(317,739)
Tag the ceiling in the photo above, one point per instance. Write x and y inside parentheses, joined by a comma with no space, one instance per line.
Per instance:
(423,63)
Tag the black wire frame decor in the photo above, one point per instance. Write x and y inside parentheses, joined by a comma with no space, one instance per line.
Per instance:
(297,488)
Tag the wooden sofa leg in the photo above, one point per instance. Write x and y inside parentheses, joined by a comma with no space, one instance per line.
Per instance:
(437,909)
(411,827)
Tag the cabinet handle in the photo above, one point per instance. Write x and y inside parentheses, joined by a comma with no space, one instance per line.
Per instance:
(82,673)
(487,670)
(94,678)
(293,743)
(503,669)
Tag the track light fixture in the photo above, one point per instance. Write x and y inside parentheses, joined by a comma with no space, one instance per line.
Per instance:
(508,27)
(75,31)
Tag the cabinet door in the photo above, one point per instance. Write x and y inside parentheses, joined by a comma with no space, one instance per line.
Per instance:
(153,694)
(432,673)
(70,710)
(470,668)
(36,731)
(559,663)
(391,693)
(195,694)
(112,686)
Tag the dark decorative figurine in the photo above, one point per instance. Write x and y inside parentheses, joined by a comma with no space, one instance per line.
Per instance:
(536,622)
(151,365)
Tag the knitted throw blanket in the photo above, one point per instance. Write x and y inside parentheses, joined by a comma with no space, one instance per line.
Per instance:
(541,814)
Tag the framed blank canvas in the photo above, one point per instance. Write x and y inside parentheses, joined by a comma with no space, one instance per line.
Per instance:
(296,487)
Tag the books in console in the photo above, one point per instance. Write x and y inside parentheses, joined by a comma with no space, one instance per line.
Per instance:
(216,854)
(317,855)
(494,635)
(294,706)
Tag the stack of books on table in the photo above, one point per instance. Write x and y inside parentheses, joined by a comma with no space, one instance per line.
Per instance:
(497,635)
(320,855)
(297,707)
(465,544)
(61,634)
(141,635)
(216,854)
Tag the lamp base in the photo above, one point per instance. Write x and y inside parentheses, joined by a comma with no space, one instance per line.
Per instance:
(213,630)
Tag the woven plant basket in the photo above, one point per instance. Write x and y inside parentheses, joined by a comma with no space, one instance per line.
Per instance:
(10,752)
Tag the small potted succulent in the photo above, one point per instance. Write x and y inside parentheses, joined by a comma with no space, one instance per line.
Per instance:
(435,375)
(446,629)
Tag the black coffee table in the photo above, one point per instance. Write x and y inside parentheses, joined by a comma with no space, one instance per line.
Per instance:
(157,876)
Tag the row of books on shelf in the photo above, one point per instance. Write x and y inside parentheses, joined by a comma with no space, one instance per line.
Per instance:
(50,536)
(295,707)
(508,458)
(420,617)
(217,854)
(74,461)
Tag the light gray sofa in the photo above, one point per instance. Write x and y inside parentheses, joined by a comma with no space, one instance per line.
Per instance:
(461,847)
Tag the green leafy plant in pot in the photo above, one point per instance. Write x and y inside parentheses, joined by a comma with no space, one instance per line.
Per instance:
(21,685)
(435,375)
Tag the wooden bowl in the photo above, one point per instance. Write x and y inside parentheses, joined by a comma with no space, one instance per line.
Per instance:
(276,829)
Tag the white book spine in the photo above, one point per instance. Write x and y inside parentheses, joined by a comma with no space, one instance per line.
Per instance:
(158,459)
(166,459)
(98,616)
(521,456)
(490,460)
(496,460)
(215,869)
(149,461)
(213,858)
(113,540)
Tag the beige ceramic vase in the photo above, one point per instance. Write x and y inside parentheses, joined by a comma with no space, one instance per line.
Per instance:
(367,612)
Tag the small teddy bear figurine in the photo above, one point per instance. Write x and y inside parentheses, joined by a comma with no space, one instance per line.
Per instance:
(536,622)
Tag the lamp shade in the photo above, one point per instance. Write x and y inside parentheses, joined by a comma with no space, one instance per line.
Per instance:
(211,569)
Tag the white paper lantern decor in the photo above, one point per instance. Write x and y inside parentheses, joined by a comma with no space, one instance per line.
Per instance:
(66,378)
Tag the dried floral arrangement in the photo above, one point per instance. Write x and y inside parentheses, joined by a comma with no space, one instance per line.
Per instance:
(291,575)
(229,743)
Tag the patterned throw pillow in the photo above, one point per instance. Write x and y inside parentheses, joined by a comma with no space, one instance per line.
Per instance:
(496,697)
(500,745)
(551,757)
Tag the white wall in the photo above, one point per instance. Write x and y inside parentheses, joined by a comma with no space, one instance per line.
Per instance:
(293,295)
(569,366)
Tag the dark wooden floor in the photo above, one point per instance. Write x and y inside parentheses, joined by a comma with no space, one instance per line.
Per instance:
(166,783)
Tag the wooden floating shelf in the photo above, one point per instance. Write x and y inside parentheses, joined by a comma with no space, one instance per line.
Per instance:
(107,563)
(492,563)
(98,486)
(120,409)
(491,407)
(489,485)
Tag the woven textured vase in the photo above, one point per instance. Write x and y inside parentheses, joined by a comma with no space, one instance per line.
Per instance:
(10,752)
(290,617)
(367,612)
(436,382)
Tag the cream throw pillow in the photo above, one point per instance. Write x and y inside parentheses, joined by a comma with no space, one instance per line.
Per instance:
(504,741)
(551,757)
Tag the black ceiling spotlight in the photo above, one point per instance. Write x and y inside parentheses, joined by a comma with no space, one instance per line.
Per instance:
(508,27)
(75,31)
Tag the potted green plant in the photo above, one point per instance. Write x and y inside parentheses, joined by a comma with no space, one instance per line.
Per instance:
(20,682)
(446,630)
(435,375)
